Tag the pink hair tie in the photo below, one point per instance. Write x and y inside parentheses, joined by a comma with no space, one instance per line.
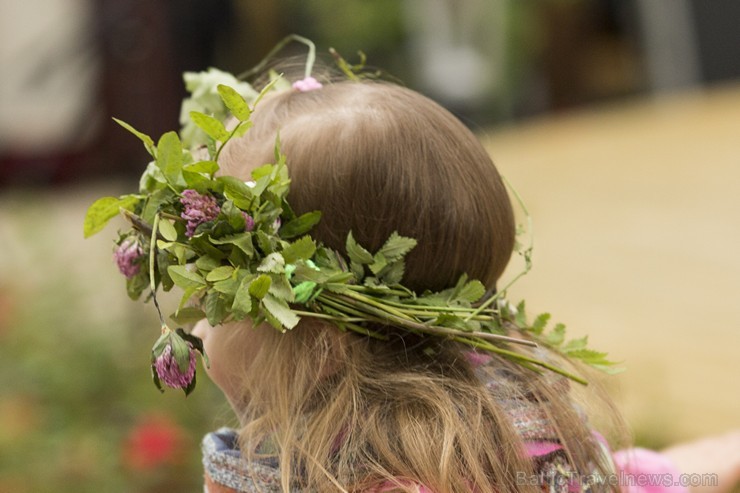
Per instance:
(307,84)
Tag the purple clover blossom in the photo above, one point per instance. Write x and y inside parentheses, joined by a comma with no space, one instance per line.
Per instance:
(248,222)
(307,84)
(169,371)
(198,210)
(128,257)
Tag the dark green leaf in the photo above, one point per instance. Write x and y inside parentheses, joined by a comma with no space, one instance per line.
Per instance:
(181,351)
(300,225)
(215,308)
(188,315)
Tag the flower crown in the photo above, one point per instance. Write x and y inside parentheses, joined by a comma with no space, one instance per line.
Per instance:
(240,250)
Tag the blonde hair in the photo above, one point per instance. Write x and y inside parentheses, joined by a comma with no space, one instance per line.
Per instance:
(352,413)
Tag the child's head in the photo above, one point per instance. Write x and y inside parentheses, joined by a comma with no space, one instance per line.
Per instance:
(376,158)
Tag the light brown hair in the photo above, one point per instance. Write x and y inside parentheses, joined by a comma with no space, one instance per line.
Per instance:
(349,413)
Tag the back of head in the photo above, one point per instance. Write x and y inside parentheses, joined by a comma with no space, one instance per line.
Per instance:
(376,158)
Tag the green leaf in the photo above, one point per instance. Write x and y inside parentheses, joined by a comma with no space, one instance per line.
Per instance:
(185,279)
(243,241)
(105,209)
(148,142)
(304,292)
(281,311)
(220,273)
(242,298)
(538,326)
(167,230)
(235,102)
(472,291)
(575,345)
(281,288)
(206,263)
(556,336)
(211,126)
(169,158)
(188,315)
(356,252)
(393,273)
(265,90)
(591,357)
(237,191)
(302,249)
(274,262)
(215,308)
(259,287)
(451,321)
(520,319)
(241,129)
(227,286)
(181,351)
(396,246)
(379,263)
(209,167)
(152,179)
(300,225)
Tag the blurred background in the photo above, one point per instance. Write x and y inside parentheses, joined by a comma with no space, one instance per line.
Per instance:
(617,121)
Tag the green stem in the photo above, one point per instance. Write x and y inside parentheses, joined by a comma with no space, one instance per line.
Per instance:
(521,357)
(526,253)
(152,255)
(378,305)
(310,58)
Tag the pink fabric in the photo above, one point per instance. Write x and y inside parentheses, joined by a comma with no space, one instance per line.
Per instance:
(540,448)
(646,471)
(477,359)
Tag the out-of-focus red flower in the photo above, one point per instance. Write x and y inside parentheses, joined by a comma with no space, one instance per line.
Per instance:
(153,442)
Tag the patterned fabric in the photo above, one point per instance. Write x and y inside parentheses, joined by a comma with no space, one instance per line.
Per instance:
(225,471)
